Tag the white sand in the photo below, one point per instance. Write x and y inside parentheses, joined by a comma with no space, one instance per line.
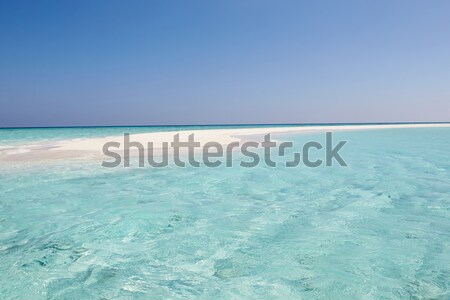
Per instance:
(92,147)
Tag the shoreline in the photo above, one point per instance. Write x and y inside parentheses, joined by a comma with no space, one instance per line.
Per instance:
(91,148)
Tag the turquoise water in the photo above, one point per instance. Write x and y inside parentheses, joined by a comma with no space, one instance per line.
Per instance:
(377,229)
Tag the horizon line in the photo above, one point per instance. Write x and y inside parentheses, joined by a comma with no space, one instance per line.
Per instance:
(213,125)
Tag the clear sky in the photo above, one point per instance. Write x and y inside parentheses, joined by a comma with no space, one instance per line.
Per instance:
(217,62)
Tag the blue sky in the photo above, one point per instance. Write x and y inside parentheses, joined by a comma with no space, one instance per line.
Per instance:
(217,62)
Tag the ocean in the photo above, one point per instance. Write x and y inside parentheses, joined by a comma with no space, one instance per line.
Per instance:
(376,229)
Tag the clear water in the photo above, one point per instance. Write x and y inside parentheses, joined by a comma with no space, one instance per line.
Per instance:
(377,229)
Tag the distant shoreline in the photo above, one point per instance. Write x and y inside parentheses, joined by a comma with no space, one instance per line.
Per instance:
(91,148)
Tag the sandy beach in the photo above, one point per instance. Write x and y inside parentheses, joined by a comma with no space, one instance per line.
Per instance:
(91,148)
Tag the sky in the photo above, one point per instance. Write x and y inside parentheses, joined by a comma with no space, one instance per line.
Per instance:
(87,63)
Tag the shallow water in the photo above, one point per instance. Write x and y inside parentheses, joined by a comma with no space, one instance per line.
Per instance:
(377,229)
